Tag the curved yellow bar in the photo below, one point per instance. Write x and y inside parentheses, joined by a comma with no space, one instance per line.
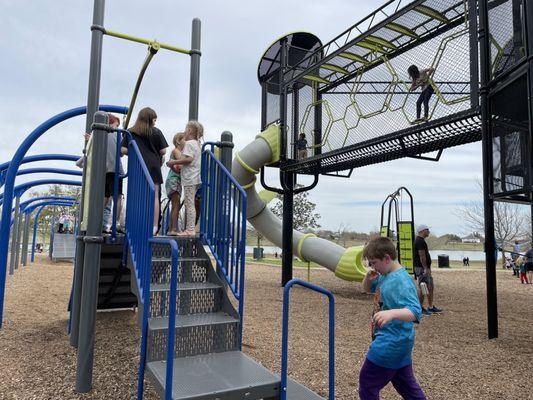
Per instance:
(244,165)
(300,244)
(350,266)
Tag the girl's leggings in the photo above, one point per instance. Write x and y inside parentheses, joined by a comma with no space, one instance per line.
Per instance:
(523,277)
(424,99)
(190,211)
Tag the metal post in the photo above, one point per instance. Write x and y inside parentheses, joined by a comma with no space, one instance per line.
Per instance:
(264,105)
(14,236)
(20,226)
(488,202)
(91,266)
(226,149)
(35,224)
(93,101)
(474,54)
(52,233)
(287,178)
(25,238)
(528,33)
(194,90)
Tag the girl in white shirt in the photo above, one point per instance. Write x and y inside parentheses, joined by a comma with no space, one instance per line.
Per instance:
(190,172)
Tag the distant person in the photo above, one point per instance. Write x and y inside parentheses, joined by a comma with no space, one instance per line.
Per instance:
(522,265)
(389,358)
(516,250)
(421,79)
(173,183)
(422,263)
(301,147)
(466,262)
(152,146)
(190,161)
(276,254)
(529,264)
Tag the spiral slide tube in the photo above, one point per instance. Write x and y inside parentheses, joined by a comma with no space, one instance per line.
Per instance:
(345,263)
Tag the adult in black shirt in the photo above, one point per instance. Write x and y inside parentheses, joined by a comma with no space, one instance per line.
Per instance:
(152,146)
(422,264)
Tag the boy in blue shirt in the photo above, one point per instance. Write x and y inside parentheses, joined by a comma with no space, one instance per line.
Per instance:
(389,356)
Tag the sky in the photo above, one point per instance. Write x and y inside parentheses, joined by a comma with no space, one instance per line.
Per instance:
(45,49)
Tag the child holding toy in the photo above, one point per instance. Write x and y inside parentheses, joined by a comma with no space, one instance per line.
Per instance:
(389,356)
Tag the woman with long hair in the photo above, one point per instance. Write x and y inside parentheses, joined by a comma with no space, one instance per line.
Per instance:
(152,145)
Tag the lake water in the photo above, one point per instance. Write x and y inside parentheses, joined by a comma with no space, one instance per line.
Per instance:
(455,255)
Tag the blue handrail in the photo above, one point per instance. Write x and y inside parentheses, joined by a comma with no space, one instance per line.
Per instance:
(285,335)
(38,157)
(223,223)
(10,177)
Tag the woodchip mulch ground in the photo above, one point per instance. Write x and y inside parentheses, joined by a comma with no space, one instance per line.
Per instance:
(452,358)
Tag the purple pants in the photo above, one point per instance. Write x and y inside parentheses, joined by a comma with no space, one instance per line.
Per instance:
(373,378)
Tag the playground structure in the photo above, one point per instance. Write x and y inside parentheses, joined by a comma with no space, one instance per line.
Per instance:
(403,218)
(349,98)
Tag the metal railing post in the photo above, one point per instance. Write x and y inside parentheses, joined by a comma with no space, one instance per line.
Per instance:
(25,238)
(194,90)
(14,236)
(91,263)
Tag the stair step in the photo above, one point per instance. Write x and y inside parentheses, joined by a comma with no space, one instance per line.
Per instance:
(188,247)
(191,298)
(195,334)
(165,287)
(224,376)
(190,270)
(208,377)
(180,259)
(187,321)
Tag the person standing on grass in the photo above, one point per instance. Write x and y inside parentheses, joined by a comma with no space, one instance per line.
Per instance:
(422,263)
(522,265)
(389,358)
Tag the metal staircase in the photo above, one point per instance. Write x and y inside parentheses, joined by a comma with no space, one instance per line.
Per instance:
(191,328)
(207,363)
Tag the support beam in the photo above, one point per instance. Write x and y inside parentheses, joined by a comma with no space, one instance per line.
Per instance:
(194,91)
(486,143)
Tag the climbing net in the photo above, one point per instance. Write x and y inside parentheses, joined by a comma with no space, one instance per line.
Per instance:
(362,89)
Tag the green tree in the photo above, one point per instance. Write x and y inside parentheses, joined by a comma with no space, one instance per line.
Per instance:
(304,215)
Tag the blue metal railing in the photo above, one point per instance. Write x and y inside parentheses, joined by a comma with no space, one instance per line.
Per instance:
(9,182)
(223,222)
(139,215)
(285,335)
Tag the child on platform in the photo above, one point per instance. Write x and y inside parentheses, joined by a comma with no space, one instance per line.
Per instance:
(190,173)
(389,356)
(173,183)
(301,146)
(421,79)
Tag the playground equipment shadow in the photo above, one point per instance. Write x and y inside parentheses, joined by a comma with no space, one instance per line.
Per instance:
(453,359)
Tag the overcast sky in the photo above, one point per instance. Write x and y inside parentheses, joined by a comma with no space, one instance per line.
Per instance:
(44,70)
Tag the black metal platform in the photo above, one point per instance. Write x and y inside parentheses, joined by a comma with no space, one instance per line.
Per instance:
(454,130)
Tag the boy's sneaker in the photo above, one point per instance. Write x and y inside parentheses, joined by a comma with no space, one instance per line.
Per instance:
(425,311)
(434,310)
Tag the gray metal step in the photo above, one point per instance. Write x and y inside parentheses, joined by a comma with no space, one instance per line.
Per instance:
(188,247)
(195,334)
(191,298)
(209,378)
(224,376)
(190,269)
